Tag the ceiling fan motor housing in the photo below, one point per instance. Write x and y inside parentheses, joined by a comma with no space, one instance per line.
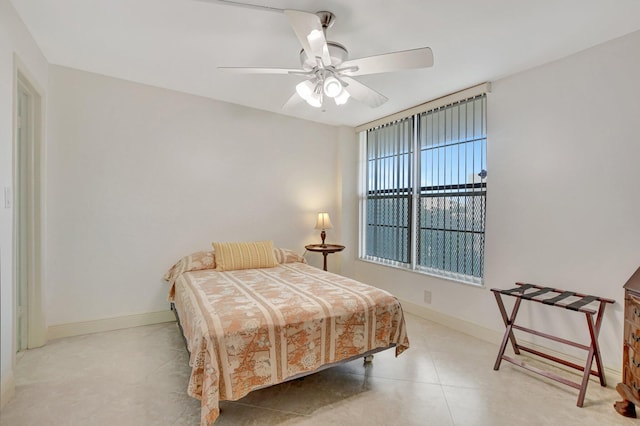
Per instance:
(337,52)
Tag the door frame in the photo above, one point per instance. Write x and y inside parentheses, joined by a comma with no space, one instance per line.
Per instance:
(36,332)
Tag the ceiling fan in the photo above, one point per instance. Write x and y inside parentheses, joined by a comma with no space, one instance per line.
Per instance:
(325,64)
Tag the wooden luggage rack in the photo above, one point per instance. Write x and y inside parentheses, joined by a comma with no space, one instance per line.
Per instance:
(578,303)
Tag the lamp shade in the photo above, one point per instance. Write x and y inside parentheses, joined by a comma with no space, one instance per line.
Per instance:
(323,221)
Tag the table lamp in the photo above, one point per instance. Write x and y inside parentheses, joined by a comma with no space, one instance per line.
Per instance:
(323,223)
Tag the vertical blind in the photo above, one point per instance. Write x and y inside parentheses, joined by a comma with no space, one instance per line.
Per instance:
(389,191)
(425,198)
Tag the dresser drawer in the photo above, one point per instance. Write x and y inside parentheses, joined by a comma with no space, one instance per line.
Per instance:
(632,335)
(632,363)
(632,308)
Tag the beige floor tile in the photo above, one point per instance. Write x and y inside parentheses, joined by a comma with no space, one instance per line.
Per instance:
(139,377)
(517,405)
(386,402)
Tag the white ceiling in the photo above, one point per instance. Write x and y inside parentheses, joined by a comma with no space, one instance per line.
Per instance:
(178,44)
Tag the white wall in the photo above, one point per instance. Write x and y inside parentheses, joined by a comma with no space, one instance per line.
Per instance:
(139,177)
(562,196)
(14,40)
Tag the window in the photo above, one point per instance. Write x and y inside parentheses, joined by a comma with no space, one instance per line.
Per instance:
(424,198)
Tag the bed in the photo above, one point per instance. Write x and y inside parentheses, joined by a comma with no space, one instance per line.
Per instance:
(253,327)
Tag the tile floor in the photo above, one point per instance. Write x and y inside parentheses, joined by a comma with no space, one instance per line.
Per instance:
(138,377)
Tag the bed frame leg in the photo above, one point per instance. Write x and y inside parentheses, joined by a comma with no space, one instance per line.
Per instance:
(368,359)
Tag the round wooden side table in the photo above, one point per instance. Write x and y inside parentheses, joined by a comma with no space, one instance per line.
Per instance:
(325,249)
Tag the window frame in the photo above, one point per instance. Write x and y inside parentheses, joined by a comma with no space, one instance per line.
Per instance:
(417,192)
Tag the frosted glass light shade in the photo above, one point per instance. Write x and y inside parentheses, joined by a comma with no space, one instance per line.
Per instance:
(332,87)
(305,89)
(315,100)
(342,98)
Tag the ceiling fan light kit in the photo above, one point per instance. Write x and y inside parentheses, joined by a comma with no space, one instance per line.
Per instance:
(305,89)
(342,98)
(310,92)
(326,66)
(332,87)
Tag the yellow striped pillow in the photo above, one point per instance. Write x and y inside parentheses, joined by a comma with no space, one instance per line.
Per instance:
(233,256)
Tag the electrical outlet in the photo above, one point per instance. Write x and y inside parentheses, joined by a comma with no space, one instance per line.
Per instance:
(427,296)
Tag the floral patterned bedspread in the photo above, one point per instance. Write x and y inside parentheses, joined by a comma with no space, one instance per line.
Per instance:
(252,328)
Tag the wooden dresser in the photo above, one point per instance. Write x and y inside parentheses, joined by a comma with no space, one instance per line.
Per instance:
(629,389)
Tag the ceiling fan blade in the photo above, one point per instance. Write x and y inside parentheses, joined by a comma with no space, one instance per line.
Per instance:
(388,62)
(252,70)
(363,93)
(245,5)
(308,29)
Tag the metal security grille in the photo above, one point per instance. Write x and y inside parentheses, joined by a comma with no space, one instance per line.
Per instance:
(425,191)
(452,193)
(389,192)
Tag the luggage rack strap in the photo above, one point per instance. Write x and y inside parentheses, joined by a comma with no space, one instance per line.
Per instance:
(537,293)
(561,296)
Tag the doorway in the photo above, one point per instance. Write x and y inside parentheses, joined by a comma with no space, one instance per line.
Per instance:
(29,327)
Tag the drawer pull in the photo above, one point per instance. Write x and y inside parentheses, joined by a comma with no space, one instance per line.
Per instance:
(636,312)
(635,363)
(634,337)
(634,386)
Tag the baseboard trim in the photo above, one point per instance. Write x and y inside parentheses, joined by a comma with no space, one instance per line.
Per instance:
(612,375)
(7,388)
(108,324)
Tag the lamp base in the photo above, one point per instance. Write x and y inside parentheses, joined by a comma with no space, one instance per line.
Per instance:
(323,235)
